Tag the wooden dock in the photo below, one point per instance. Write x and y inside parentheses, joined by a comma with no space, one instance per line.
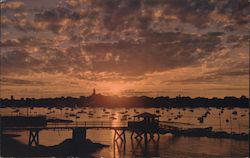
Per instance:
(79,130)
(146,124)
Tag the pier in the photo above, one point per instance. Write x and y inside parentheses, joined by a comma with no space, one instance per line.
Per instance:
(79,130)
(141,127)
(146,124)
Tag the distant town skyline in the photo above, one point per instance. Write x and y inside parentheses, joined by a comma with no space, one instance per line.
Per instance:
(125,48)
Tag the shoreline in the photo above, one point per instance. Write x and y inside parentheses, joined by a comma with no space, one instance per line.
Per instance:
(66,148)
(98,100)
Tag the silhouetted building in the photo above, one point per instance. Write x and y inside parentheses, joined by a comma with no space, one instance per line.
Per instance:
(145,120)
(12,97)
(93,91)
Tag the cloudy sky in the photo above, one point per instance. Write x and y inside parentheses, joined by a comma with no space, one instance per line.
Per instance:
(124,47)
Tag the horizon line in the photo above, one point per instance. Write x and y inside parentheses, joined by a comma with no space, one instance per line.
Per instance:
(123,96)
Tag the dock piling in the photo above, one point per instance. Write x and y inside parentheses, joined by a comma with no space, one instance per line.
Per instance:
(120,136)
(34,137)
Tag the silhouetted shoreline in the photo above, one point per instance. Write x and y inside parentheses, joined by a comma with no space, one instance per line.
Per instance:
(13,148)
(99,100)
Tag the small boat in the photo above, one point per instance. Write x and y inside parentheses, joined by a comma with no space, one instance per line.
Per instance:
(196,131)
(113,118)
(179,116)
(72,115)
(234,112)
(200,119)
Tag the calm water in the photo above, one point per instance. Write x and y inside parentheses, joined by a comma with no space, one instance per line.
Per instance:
(167,146)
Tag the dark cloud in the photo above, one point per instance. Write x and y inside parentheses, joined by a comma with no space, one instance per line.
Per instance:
(158,52)
(18,61)
(57,15)
(18,82)
(242,72)
(62,19)
(213,77)
(200,80)
(125,39)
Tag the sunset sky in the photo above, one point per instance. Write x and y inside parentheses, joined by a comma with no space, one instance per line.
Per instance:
(193,48)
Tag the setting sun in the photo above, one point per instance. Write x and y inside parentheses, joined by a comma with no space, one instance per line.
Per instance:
(116,89)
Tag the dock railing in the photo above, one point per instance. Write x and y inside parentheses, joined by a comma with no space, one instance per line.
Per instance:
(63,125)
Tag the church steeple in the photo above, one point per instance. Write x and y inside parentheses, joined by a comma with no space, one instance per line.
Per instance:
(93,91)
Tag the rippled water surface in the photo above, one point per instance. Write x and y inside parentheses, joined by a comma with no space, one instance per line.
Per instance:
(229,120)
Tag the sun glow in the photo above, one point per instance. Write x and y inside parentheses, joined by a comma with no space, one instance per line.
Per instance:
(116,89)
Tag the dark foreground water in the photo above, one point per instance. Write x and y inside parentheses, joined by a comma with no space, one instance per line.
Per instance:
(167,146)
